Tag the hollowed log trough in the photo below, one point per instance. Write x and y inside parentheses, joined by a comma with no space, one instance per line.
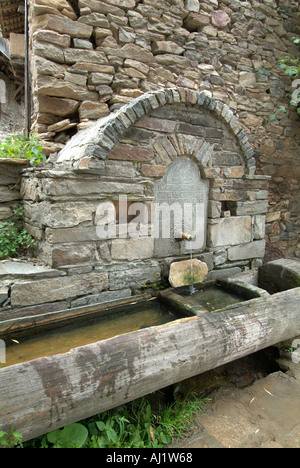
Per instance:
(51,392)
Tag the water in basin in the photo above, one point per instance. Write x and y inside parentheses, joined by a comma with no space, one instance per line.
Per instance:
(211,298)
(47,341)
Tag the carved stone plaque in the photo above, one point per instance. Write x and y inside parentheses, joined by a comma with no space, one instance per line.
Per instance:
(180,206)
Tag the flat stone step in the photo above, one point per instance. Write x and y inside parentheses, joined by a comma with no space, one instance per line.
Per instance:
(25,269)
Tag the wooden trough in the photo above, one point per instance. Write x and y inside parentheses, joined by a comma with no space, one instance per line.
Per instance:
(50,392)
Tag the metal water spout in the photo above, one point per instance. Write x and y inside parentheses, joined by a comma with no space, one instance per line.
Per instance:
(183,236)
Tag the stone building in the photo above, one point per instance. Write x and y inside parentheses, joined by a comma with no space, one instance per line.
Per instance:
(12,109)
(12,55)
(89,58)
(130,96)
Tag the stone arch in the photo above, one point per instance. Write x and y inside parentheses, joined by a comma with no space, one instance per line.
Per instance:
(96,143)
(125,155)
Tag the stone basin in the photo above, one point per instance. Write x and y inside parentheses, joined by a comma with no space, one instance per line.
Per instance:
(211,296)
(51,391)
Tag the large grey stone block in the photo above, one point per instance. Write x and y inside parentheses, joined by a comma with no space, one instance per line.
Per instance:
(26,269)
(241,208)
(181,199)
(254,249)
(92,188)
(71,235)
(214,209)
(7,194)
(55,289)
(259,225)
(132,249)
(103,297)
(134,274)
(64,215)
(229,231)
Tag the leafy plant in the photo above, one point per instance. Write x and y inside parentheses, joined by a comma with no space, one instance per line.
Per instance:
(20,147)
(10,440)
(72,436)
(136,426)
(133,425)
(291,68)
(14,239)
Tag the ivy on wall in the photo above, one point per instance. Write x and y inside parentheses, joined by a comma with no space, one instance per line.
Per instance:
(291,68)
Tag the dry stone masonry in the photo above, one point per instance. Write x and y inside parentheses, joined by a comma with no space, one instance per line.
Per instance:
(129,154)
(89,58)
(10,182)
(126,94)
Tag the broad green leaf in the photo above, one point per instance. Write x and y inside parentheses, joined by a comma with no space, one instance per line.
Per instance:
(100,425)
(72,436)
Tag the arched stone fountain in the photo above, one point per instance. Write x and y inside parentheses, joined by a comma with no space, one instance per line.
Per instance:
(98,216)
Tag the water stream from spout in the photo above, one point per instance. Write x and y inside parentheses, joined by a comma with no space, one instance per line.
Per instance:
(193,290)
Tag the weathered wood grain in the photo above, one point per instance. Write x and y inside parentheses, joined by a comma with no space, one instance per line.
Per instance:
(44,394)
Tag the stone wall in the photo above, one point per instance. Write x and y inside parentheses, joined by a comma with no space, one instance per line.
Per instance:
(29,289)
(12,112)
(93,57)
(124,156)
(10,182)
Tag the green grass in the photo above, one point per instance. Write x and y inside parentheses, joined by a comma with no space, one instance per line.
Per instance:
(133,425)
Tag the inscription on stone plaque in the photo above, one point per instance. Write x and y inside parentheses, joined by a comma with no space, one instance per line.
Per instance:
(180,205)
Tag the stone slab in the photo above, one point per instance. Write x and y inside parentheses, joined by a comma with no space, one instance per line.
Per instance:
(107,296)
(57,106)
(88,188)
(31,311)
(181,199)
(263,415)
(229,231)
(71,254)
(225,273)
(249,207)
(254,249)
(62,25)
(134,274)
(7,194)
(71,235)
(23,269)
(93,110)
(132,249)
(65,215)
(259,224)
(51,86)
(56,289)
(132,153)
(187,272)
